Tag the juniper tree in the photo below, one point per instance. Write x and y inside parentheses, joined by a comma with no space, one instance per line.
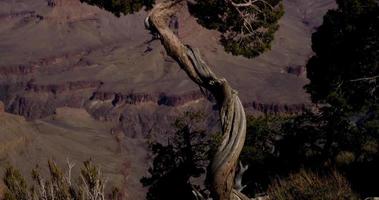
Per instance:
(247,28)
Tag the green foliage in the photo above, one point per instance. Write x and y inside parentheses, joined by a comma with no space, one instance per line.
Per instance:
(333,138)
(92,182)
(119,7)
(347,49)
(184,156)
(16,184)
(248,36)
(262,153)
(56,186)
(344,74)
(277,146)
(261,132)
(309,185)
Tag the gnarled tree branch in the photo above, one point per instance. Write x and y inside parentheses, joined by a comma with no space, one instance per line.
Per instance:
(233,119)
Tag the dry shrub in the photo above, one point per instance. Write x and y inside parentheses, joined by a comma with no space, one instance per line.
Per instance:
(58,185)
(311,186)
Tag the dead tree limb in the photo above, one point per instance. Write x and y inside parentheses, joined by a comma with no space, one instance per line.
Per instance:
(238,179)
(232,114)
(372,78)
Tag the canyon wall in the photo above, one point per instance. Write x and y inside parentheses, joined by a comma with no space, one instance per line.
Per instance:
(69,54)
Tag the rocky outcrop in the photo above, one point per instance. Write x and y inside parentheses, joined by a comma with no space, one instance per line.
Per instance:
(64,87)
(44,65)
(138,98)
(18,70)
(297,70)
(139,114)
(39,101)
(177,100)
(30,107)
(273,108)
(163,99)
(35,101)
(119,98)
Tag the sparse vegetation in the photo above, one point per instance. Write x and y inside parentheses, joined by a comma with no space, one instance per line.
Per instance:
(58,185)
(311,186)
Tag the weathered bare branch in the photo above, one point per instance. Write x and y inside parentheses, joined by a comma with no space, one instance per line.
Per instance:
(233,119)
(365,79)
(70,165)
(238,180)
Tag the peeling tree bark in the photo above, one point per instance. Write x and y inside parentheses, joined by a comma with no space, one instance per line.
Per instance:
(232,114)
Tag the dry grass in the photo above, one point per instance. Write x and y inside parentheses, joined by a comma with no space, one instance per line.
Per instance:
(311,186)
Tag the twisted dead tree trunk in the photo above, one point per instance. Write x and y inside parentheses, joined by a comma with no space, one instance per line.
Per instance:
(232,114)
